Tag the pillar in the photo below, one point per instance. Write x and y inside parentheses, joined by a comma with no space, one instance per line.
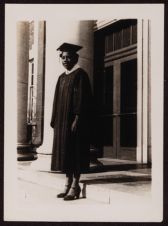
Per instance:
(144,97)
(25,150)
(30,87)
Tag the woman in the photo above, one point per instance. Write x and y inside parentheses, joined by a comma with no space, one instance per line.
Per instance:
(70,121)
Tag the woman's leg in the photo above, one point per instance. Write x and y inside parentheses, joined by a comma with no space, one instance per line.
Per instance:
(76,178)
(69,179)
(68,183)
(75,190)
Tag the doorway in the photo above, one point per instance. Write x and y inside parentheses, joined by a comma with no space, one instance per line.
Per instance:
(115,89)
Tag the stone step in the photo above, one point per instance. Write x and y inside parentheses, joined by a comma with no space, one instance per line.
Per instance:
(91,184)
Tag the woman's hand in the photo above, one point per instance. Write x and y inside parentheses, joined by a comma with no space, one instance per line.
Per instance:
(74,124)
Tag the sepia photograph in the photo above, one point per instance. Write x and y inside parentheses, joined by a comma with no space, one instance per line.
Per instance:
(84,112)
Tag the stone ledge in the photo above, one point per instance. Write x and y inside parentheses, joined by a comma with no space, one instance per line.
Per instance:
(104,191)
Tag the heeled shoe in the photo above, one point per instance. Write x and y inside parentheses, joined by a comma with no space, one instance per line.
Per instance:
(65,192)
(74,193)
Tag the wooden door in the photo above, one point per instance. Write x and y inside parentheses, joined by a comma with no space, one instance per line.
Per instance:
(120,101)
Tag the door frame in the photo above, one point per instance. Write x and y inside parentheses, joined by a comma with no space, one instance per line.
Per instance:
(144,93)
(144,148)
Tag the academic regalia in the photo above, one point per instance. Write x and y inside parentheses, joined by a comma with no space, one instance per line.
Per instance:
(72,97)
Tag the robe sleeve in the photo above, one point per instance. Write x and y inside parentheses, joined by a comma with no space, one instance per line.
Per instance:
(54,109)
(82,94)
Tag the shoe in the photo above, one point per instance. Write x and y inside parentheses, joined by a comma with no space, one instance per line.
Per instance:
(65,192)
(74,193)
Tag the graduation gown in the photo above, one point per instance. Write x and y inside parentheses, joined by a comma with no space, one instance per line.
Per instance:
(72,97)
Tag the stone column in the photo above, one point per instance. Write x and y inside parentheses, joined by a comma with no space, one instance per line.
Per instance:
(85,39)
(25,149)
(144,96)
(40,86)
(30,124)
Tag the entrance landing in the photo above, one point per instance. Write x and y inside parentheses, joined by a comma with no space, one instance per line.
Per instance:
(109,164)
(107,179)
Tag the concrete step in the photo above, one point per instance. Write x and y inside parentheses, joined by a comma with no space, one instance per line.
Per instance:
(103,186)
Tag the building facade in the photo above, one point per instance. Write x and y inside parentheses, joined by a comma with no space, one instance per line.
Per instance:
(116,55)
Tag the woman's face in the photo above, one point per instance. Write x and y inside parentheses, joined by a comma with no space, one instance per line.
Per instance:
(68,60)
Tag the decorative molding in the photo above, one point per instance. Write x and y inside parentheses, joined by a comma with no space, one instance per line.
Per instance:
(121,53)
(99,24)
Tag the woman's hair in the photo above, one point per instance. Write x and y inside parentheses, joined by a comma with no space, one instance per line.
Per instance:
(74,54)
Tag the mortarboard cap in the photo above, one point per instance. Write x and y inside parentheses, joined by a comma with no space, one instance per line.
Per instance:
(67,47)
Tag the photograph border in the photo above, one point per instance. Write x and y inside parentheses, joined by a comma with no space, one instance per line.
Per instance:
(2,70)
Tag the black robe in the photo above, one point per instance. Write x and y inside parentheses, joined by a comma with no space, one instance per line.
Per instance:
(70,151)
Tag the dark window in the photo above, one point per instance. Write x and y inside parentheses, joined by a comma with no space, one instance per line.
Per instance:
(126,36)
(117,40)
(107,130)
(129,86)
(108,90)
(128,130)
(134,33)
(123,35)
(128,104)
(109,43)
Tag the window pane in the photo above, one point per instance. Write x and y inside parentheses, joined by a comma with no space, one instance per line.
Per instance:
(108,90)
(126,36)
(128,131)
(107,131)
(121,35)
(129,86)
(128,104)
(109,43)
(117,40)
(134,33)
